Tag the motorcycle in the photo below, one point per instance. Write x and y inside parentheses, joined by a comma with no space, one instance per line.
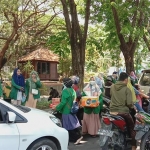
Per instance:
(142,128)
(106,103)
(113,133)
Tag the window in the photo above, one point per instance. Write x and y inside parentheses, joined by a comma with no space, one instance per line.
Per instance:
(39,68)
(43,67)
(145,80)
(19,118)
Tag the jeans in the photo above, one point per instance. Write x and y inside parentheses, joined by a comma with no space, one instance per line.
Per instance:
(138,107)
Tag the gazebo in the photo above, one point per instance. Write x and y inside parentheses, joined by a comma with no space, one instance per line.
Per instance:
(45,63)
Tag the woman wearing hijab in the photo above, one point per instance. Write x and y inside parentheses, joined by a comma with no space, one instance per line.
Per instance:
(69,121)
(32,89)
(91,120)
(18,85)
(133,77)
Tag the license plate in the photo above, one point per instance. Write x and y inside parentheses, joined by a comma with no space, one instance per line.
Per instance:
(105,132)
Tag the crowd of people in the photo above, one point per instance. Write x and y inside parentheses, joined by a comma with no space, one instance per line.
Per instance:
(123,90)
(126,99)
(19,92)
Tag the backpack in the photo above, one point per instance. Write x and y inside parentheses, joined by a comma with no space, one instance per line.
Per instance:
(75,106)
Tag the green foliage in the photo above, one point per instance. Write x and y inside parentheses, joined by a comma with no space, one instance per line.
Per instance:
(60,44)
(43,104)
(28,67)
(44,90)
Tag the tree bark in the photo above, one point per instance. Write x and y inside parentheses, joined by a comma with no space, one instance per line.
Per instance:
(129,60)
(77,38)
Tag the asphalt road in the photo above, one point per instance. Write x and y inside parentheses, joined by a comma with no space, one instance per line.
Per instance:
(87,143)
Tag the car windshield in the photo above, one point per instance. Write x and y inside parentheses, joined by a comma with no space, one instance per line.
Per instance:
(23,108)
(145,79)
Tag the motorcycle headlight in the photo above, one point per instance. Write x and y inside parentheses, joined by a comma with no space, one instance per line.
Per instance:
(56,121)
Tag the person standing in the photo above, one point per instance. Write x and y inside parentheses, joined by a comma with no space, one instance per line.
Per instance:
(91,120)
(75,86)
(6,91)
(110,80)
(99,82)
(32,89)
(18,86)
(69,121)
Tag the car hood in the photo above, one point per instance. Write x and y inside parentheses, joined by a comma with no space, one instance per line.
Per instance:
(36,114)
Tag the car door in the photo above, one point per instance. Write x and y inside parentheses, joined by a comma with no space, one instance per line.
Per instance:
(9,134)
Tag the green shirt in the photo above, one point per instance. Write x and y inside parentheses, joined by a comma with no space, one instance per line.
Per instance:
(14,90)
(96,110)
(27,89)
(68,96)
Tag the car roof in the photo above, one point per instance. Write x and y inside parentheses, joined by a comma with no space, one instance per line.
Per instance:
(146,70)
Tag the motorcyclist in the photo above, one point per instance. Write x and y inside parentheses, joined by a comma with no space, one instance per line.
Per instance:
(111,79)
(121,102)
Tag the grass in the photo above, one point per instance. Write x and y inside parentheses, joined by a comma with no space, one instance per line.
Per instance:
(43,104)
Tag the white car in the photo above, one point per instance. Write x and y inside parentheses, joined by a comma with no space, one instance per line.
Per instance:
(144,81)
(23,128)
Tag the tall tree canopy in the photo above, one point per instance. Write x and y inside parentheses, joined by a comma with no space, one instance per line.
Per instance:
(21,21)
(125,24)
(77,33)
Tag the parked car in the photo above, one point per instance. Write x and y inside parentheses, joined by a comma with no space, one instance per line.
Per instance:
(144,81)
(23,128)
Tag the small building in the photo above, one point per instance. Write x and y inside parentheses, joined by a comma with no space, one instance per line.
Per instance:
(45,63)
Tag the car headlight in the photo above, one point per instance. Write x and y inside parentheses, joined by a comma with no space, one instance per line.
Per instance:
(56,121)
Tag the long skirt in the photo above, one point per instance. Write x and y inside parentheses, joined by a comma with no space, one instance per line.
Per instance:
(31,102)
(71,123)
(91,123)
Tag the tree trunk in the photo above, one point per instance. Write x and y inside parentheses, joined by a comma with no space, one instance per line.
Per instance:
(129,62)
(128,53)
(78,62)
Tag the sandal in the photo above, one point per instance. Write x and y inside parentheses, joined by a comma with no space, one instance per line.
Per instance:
(78,141)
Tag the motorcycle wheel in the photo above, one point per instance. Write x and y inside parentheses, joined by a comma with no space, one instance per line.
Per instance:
(106,146)
(145,142)
(114,139)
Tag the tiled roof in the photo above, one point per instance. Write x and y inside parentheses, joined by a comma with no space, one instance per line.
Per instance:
(40,54)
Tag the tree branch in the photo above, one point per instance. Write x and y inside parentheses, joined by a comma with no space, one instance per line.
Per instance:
(139,25)
(134,19)
(3,38)
(146,42)
(75,21)
(46,26)
(117,23)
(66,15)
(87,16)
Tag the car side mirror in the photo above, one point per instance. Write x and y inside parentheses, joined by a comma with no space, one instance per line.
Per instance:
(10,117)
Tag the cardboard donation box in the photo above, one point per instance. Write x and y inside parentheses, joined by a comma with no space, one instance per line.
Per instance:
(55,102)
(90,101)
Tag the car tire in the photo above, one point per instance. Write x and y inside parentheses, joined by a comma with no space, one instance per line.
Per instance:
(144,139)
(43,143)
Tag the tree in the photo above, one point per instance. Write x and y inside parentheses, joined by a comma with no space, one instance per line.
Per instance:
(59,43)
(124,24)
(77,34)
(20,22)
